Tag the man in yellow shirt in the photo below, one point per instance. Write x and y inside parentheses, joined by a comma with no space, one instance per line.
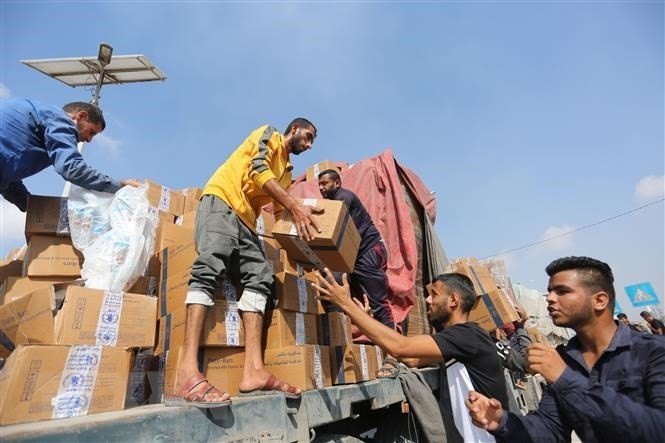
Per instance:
(258,172)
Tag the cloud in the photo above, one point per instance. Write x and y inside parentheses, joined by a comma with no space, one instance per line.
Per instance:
(12,225)
(108,144)
(651,187)
(5,92)
(556,240)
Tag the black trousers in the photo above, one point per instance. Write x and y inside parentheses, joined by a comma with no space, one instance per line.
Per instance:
(369,277)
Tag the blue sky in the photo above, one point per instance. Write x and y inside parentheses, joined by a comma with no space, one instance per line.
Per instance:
(528,119)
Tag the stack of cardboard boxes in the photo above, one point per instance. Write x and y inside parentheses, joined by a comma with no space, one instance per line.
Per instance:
(73,351)
(494,306)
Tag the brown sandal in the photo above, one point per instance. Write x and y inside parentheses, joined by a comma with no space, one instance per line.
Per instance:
(193,393)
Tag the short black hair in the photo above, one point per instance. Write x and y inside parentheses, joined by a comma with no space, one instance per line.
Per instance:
(332,173)
(95,115)
(460,284)
(300,122)
(621,315)
(643,314)
(594,275)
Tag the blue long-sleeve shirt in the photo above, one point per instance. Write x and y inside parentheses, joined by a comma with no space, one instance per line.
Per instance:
(34,136)
(621,399)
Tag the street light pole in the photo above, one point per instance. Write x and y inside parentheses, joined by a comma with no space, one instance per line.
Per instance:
(104,58)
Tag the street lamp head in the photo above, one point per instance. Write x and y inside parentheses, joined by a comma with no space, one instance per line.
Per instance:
(105,53)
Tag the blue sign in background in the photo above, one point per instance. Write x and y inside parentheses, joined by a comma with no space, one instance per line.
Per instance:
(642,294)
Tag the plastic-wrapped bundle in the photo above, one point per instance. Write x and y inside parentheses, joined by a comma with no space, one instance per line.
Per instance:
(116,253)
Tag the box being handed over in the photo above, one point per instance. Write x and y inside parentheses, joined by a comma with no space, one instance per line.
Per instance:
(336,246)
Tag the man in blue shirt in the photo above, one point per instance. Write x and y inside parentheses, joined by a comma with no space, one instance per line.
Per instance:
(34,136)
(607,384)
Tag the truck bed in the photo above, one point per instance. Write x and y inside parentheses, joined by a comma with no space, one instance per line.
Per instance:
(268,418)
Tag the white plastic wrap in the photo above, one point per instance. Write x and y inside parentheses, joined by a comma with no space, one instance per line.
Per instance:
(115,233)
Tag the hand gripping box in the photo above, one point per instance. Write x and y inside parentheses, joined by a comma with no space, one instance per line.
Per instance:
(336,246)
(42,382)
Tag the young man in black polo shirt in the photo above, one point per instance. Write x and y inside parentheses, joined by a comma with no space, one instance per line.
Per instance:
(466,352)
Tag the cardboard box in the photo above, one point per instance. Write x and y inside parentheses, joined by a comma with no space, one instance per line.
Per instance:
(92,316)
(165,199)
(305,367)
(42,382)
(192,198)
(139,389)
(336,246)
(15,287)
(353,363)
(27,320)
(222,368)
(49,255)
(187,220)
(287,328)
(11,268)
(295,293)
(170,234)
(176,258)
(173,291)
(223,327)
(480,275)
(312,173)
(536,335)
(334,329)
(145,285)
(493,310)
(46,216)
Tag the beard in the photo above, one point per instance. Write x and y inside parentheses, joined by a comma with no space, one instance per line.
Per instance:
(438,320)
(297,146)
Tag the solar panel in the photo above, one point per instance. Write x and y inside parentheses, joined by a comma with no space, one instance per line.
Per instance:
(84,71)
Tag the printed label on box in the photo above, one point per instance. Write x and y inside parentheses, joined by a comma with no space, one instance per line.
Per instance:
(63,219)
(309,201)
(318,369)
(77,382)
(108,323)
(232,321)
(346,325)
(364,367)
(302,294)
(300,328)
(260,225)
(229,291)
(165,199)
(379,356)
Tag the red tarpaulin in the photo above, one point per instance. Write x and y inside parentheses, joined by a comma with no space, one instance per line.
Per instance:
(377,181)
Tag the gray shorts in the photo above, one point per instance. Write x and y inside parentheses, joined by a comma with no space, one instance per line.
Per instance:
(228,250)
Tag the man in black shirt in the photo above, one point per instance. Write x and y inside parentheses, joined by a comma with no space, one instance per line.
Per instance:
(465,352)
(656,326)
(369,272)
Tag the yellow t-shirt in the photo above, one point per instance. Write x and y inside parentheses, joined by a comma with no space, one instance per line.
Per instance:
(239,181)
